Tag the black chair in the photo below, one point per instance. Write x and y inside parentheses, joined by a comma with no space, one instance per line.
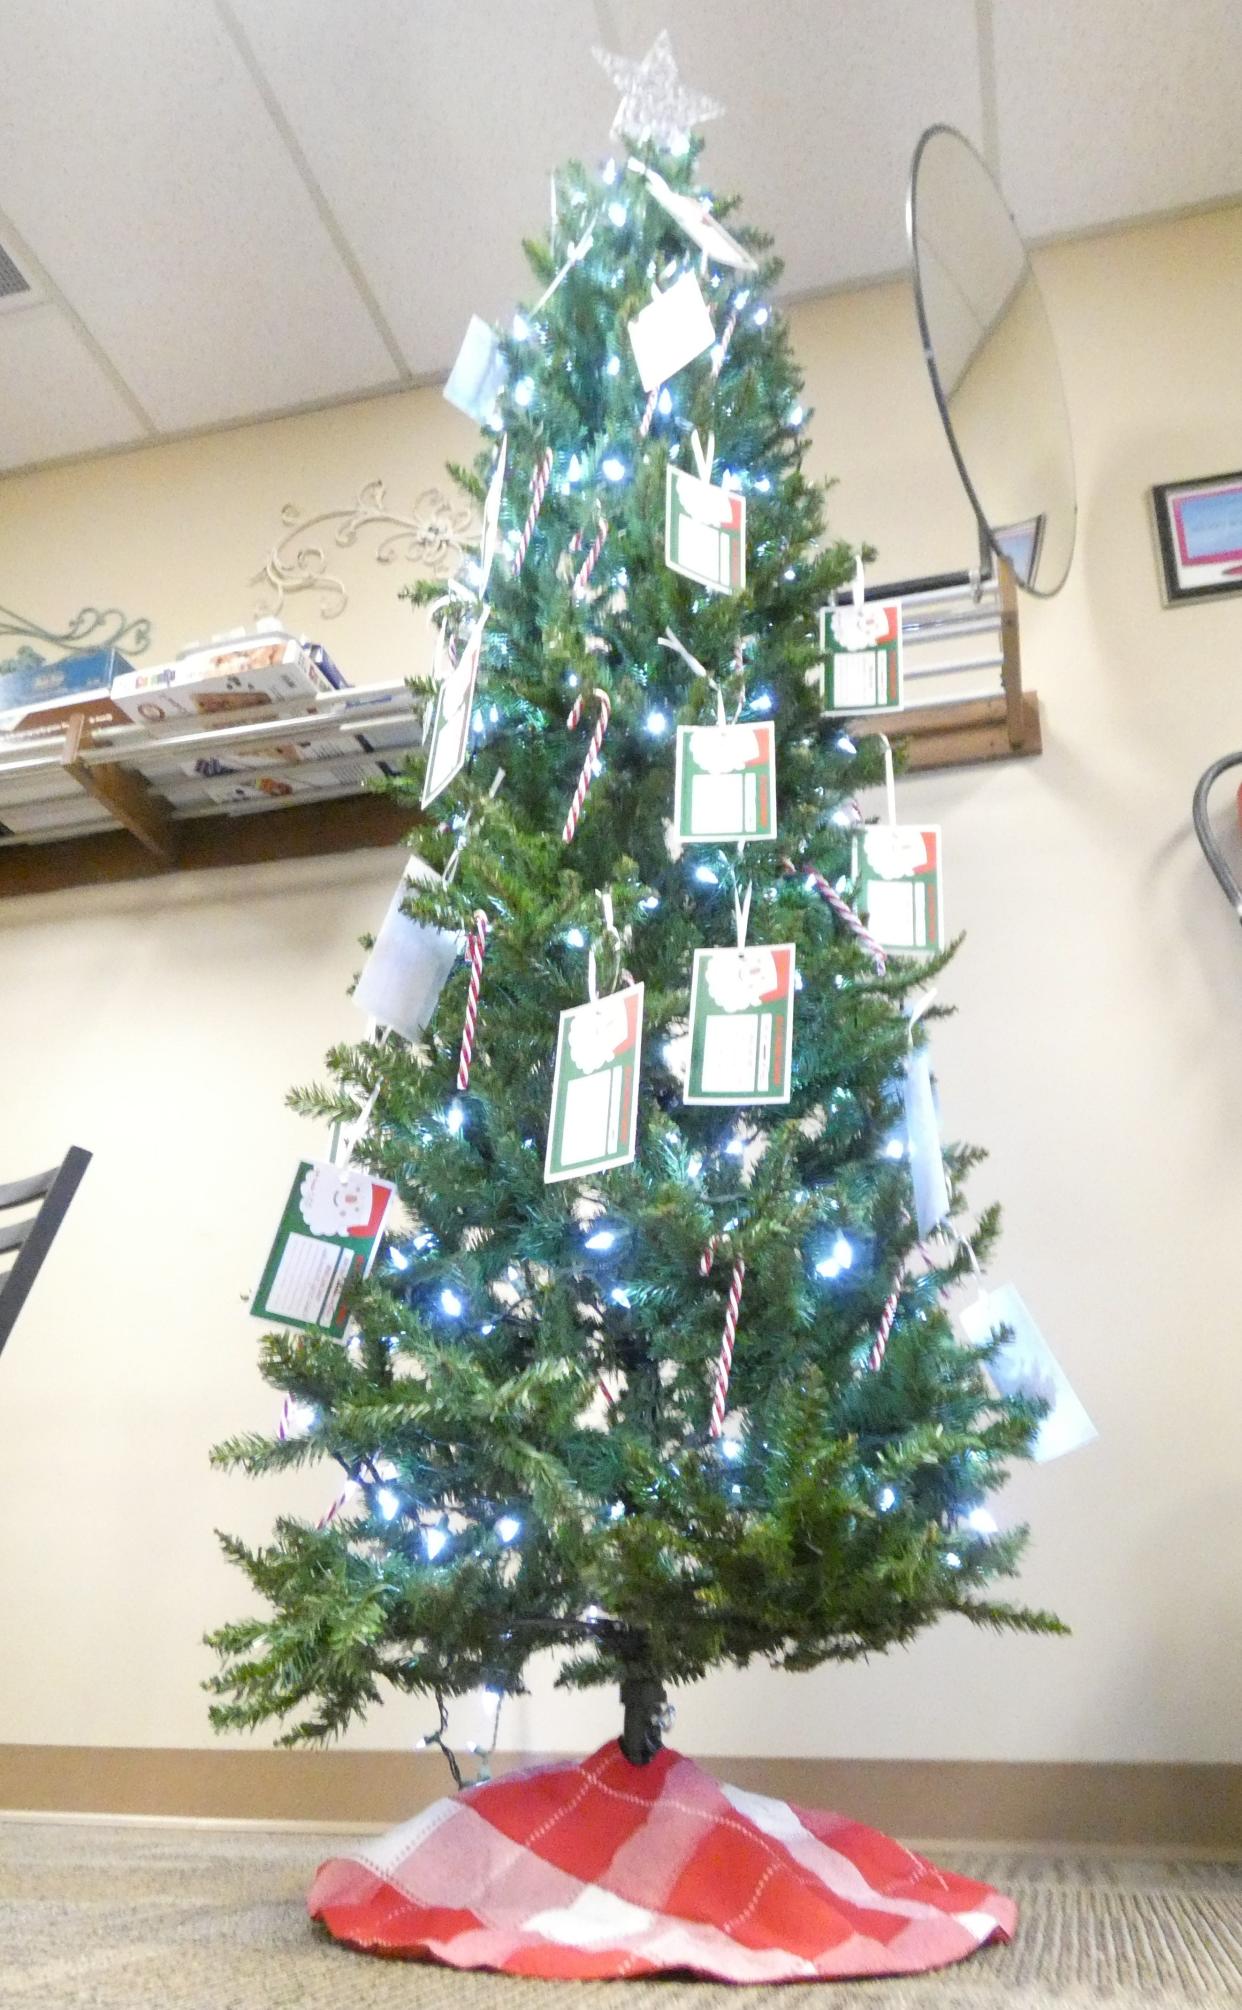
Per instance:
(33,1236)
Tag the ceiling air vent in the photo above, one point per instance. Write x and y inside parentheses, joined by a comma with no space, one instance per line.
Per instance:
(15,288)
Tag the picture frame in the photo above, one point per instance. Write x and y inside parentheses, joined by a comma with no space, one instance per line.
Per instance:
(1198,527)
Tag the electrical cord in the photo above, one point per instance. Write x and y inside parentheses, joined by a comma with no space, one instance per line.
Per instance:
(1203,830)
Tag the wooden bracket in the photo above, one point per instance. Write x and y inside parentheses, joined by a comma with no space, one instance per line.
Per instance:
(124,794)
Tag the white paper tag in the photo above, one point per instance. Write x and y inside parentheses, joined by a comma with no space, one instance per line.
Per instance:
(931,1188)
(1026,1366)
(671,332)
(491,516)
(409,965)
(700,226)
(450,722)
(478,376)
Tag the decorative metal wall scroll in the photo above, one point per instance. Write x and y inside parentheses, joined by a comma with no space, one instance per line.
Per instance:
(91,628)
(433,536)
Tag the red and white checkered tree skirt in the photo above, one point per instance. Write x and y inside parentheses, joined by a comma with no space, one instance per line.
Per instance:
(609,1869)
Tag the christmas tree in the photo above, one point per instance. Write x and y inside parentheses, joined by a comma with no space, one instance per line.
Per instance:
(656,1371)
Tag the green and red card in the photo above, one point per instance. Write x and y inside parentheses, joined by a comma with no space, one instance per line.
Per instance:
(899,875)
(741,1025)
(326,1241)
(863,667)
(594,1119)
(725,787)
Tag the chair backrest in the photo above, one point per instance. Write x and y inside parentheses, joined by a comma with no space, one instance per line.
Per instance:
(29,1238)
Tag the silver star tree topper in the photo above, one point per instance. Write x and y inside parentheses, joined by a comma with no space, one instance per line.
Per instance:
(655,104)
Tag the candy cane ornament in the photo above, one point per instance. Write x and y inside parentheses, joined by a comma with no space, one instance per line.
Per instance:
(589,563)
(649,412)
(724,1362)
(844,913)
(538,489)
(879,1345)
(326,1519)
(476,945)
(588,766)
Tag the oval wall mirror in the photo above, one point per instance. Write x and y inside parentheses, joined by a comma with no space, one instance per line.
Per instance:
(992,360)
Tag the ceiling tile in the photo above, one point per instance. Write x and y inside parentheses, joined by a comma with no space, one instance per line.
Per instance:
(432,135)
(57,400)
(142,166)
(1116,109)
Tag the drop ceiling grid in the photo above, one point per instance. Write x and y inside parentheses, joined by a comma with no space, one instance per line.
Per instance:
(56,398)
(1116,109)
(172,217)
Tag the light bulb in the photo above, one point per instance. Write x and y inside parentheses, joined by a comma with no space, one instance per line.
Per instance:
(843,1251)
(694,1164)
(575,938)
(649,903)
(521,327)
(398,1259)
(612,367)
(302,1418)
(451,1303)
(886,1498)
(454,1119)
(981,1521)
(705,875)
(493,714)
(731,1448)
(740,299)
(761,702)
(761,317)
(763,485)
(796,416)
(603,1238)
(718,355)
(573,472)
(664,403)
(616,1511)
(952,1560)
(523,391)
(608,172)
(845,745)
(894,1149)
(620,1296)
(434,1540)
(617,213)
(656,723)
(679,144)
(387,1502)
(612,469)
(508,1528)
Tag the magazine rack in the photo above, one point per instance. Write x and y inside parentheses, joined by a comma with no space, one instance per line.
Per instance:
(88,802)
(32,1235)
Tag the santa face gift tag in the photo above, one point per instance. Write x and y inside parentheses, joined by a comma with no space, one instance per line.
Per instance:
(450,725)
(863,657)
(897,867)
(1026,1366)
(726,783)
(595,1086)
(705,531)
(671,332)
(741,1025)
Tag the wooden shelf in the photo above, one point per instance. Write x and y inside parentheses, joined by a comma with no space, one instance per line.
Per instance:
(105,803)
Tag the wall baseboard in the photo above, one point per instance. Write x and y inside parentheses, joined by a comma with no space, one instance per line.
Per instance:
(1139,1806)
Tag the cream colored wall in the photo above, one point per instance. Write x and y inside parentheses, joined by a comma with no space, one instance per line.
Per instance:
(1096,1053)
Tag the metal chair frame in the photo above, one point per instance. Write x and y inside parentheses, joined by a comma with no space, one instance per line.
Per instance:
(33,1235)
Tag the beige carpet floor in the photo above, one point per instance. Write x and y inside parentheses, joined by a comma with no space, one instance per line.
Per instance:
(98,1917)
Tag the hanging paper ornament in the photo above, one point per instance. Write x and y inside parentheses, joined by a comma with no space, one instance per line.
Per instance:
(593,1123)
(450,724)
(478,376)
(670,332)
(741,1025)
(898,871)
(1026,1366)
(704,525)
(694,214)
(725,784)
(409,965)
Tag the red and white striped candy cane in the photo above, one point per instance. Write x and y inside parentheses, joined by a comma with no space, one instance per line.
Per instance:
(879,1345)
(589,563)
(724,1363)
(538,489)
(649,410)
(709,1255)
(588,766)
(476,944)
(329,1516)
(844,912)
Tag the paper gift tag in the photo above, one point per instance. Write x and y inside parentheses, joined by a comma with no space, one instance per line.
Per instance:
(450,724)
(1026,1366)
(478,377)
(863,666)
(595,1086)
(897,867)
(741,1025)
(701,227)
(409,965)
(671,332)
(931,1188)
(327,1239)
(725,783)
(705,531)
(491,516)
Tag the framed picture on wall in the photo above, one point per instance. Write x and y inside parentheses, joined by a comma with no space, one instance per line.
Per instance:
(1199,537)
